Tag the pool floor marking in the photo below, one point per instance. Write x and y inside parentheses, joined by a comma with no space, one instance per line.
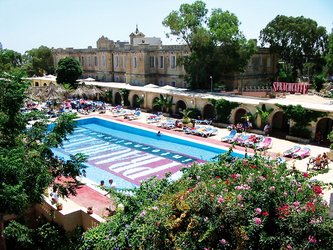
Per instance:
(129,160)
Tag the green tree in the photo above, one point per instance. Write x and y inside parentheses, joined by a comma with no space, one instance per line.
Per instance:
(215,40)
(297,40)
(329,56)
(164,103)
(124,93)
(9,59)
(223,109)
(39,61)
(27,164)
(68,70)
(302,118)
(262,112)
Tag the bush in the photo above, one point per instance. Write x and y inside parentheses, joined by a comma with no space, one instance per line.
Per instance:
(249,203)
(300,132)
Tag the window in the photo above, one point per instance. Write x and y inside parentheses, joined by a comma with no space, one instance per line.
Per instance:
(82,61)
(89,62)
(152,61)
(135,62)
(173,62)
(161,62)
(117,61)
(173,84)
(96,61)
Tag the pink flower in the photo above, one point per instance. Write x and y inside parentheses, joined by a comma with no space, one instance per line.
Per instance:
(223,241)
(143,213)
(272,188)
(258,211)
(296,203)
(220,199)
(289,247)
(240,197)
(154,208)
(312,239)
(265,213)
(257,220)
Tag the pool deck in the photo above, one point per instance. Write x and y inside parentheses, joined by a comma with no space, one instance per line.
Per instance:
(92,195)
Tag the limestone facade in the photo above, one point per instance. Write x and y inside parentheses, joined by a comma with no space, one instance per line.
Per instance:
(144,60)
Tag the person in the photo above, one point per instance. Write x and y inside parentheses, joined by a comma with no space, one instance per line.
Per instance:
(318,161)
(158,133)
(112,184)
(318,137)
(84,173)
(54,196)
(267,128)
(102,183)
(324,159)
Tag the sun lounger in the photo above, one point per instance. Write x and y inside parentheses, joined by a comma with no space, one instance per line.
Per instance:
(242,139)
(291,151)
(232,134)
(168,124)
(208,131)
(302,153)
(266,143)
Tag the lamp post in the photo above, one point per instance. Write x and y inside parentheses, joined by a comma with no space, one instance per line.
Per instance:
(211,84)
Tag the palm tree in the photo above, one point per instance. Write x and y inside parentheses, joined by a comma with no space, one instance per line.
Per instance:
(186,115)
(263,113)
(164,103)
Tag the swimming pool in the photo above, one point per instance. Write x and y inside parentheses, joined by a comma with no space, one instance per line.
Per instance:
(130,154)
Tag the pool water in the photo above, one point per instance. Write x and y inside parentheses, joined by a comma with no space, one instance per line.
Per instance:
(129,154)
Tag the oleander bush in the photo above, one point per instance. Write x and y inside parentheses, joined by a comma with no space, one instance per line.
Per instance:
(233,203)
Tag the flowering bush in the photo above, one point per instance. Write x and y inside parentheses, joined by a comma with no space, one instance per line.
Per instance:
(249,203)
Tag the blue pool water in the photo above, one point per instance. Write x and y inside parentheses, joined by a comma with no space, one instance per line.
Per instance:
(130,154)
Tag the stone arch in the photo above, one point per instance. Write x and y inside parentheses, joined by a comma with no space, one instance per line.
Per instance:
(36,84)
(279,122)
(180,105)
(239,114)
(134,101)
(208,111)
(324,125)
(117,98)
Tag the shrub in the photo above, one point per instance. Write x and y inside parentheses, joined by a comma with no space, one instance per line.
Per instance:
(249,203)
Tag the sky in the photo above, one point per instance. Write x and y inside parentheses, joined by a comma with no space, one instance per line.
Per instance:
(28,24)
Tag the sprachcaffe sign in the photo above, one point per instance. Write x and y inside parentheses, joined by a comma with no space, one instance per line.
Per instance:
(293,87)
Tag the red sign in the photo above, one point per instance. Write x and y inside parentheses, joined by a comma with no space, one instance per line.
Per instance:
(293,87)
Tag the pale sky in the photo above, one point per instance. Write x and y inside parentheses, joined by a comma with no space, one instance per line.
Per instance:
(27,24)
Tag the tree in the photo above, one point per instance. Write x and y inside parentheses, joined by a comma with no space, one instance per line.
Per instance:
(39,61)
(302,118)
(68,70)
(27,164)
(9,59)
(223,109)
(164,103)
(297,40)
(215,40)
(263,113)
(329,56)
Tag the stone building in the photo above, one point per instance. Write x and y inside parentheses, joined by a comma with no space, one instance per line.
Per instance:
(144,60)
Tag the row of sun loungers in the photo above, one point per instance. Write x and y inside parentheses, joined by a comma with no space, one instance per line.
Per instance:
(297,152)
(258,142)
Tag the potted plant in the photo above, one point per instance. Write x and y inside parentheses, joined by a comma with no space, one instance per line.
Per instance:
(90,210)
(59,205)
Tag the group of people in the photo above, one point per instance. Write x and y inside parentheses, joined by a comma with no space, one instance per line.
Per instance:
(319,162)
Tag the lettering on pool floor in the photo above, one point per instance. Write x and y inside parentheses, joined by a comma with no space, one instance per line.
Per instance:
(124,158)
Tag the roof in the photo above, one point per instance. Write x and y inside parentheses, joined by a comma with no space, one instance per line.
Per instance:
(309,101)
